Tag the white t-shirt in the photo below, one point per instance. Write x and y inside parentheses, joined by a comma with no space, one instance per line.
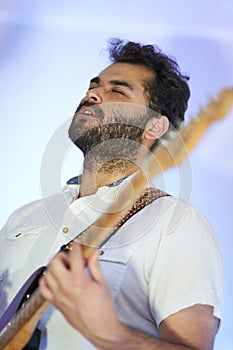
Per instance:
(164,259)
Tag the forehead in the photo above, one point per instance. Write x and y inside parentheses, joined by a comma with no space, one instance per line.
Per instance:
(135,74)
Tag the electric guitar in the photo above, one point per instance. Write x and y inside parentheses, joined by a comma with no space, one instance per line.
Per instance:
(19,320)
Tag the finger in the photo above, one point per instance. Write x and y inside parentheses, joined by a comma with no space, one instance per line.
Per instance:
(51,291)
(94,267)
(45,290)
(57,276)
(51,282)
(59,265)
(64,259)
(77,262)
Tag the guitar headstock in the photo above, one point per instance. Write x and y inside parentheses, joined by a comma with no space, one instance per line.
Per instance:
(176,145)
(218,106)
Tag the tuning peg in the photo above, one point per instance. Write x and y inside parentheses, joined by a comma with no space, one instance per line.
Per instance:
(214,98)
(172,134)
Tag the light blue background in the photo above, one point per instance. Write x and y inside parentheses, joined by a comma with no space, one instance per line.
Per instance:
(48,52)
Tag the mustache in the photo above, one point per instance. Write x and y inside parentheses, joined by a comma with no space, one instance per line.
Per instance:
(97,109)
(84,103)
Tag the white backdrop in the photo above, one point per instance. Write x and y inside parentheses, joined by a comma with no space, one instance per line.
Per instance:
(48,52)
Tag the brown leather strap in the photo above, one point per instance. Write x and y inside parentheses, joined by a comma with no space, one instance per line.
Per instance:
(147,196)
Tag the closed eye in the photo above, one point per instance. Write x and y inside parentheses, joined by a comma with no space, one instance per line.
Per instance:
(91,87)
(119,92)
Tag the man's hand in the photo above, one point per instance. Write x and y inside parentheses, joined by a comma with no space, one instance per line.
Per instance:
(84,298)
(82,295)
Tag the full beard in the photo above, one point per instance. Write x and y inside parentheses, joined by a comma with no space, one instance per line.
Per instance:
(113,137)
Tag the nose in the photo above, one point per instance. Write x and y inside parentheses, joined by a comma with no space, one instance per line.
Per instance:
(94,95)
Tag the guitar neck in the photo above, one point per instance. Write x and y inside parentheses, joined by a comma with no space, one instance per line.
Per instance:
(216,110)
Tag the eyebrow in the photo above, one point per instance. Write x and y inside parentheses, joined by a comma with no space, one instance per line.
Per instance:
(113,82)
(95,80)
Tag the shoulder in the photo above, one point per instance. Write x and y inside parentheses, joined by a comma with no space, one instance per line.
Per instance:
(178,223)
(173,212)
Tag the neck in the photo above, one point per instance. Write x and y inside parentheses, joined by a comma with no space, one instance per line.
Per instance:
(95,175)
(104,168)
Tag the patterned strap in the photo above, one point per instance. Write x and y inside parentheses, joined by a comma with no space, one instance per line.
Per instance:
(147,196)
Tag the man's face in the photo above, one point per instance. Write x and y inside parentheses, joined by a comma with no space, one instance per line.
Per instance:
(115,106)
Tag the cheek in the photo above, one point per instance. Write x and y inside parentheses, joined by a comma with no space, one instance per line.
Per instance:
(146,98)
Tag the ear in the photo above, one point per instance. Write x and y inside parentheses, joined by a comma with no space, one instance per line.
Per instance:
(155,128)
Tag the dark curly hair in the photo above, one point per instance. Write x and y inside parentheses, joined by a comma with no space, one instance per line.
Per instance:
(169,92)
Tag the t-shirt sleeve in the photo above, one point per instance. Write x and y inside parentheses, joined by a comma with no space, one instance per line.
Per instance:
(188,268)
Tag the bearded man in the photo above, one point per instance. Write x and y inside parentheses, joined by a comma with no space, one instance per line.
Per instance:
(155,284)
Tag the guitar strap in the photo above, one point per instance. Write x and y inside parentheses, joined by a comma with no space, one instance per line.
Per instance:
(147,196)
